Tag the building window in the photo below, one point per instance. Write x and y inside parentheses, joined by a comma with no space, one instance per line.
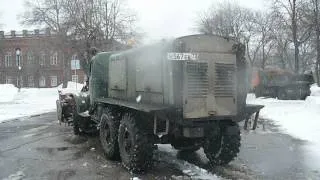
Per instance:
(54,58)
(42,59)
(54,81)
(9,80)
(75,78)
(30,81)
(42,81)
(30,58)
(8,59)
(19,59)
(74,57)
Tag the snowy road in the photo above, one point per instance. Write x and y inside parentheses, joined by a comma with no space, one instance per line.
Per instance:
(38,148)
(286,144)
(299,119)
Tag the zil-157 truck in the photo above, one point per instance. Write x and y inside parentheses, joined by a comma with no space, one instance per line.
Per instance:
(281,84)
(189,92)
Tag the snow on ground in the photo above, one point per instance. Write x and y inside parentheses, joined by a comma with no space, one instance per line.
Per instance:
(300,119)
(7,92)
(29,101)
(168,154)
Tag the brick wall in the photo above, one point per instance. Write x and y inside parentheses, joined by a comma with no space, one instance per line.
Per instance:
(42,63)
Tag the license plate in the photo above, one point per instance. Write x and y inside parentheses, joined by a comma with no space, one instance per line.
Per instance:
(182,56)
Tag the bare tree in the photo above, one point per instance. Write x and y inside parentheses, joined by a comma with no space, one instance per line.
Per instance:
(226,19)
(253,28)
(295,14)
(317,38)
(83,24)
(104,24)
(51,14)
(264,35)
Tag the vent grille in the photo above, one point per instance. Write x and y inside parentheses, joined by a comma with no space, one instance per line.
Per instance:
(197,83)
(224,81)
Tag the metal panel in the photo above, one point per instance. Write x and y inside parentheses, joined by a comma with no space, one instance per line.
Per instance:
(149,73)
(196,86)
(118,73)
(225,80)
(197,79)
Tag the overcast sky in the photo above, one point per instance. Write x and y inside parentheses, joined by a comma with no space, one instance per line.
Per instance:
(157,18)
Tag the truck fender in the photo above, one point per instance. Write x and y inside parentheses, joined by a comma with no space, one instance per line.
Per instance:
(82,103)
(232,130)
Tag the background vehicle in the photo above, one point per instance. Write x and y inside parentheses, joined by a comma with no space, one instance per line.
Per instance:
(189,92)
(281,84)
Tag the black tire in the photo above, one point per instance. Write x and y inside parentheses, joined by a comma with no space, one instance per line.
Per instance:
(222,149)
(185,145)
(258,91)
(135,147)
(109,134)
(304,97)
(282,95)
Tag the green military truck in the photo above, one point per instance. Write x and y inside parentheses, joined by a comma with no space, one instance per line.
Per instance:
(189,92)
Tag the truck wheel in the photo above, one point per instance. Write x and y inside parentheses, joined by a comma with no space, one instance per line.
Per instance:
(136,149)
(76,126)
(186,145)
(109,134)
(282,95)
(223,148)
(257,92)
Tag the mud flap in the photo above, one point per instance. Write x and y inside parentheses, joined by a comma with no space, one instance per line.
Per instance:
(59,111)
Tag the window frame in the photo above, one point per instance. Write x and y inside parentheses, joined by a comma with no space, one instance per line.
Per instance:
(9,78)
(40,81)
(42,59)
(30,57)
(7,59)
(31,83)
(54,58)
(56,81)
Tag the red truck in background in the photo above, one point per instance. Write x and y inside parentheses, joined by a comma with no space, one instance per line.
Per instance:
(281,84)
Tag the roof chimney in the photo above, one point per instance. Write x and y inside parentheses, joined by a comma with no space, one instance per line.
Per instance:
(24,33)
(13,33)
(36,32)
(48,31)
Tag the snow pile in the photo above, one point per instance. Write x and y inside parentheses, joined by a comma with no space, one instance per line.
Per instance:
(72,87)
(7,92)
(315,90)
(29,101)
